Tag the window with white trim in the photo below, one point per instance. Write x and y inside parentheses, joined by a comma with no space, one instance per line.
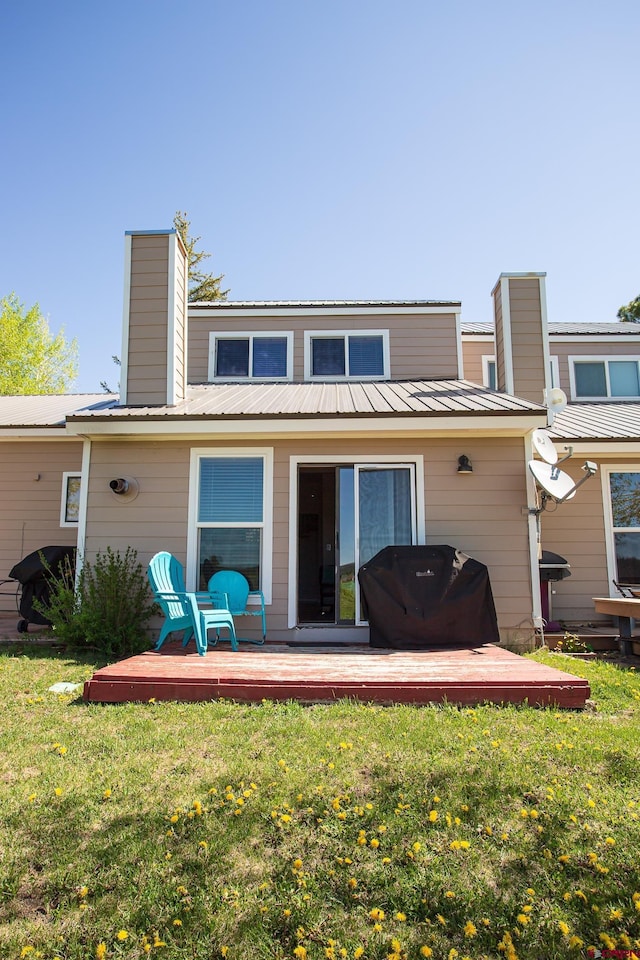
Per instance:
(346,355)
(250,356)
(624,493)
(604,378)
(70,502)
(489,372)
(233,516)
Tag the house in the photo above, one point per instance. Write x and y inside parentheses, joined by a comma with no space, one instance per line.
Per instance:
(293,440)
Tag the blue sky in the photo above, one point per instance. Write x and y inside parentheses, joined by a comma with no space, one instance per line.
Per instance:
(342,149)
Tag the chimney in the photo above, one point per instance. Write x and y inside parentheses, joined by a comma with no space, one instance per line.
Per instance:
(154,334)
(522,342)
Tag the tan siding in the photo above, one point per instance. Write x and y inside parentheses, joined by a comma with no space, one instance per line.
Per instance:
(480,514)
(420,346)
(527,338)
(30,508)
(148,307)
(473,350)
(576,530)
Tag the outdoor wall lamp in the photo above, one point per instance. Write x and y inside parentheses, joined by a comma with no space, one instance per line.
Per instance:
(464,464)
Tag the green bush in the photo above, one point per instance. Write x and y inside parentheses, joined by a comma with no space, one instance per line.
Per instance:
(107,609)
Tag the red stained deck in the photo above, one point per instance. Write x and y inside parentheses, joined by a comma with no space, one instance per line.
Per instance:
(466,676)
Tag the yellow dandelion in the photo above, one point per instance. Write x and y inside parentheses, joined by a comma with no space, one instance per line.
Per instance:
(300,952)
(374,842)
(224,950)
(58,792)
(575,942)
(563,928)
(177,922)
(122,935)
(433,816)
(101,951)
(377,914)
(470,929)
(610,841)
(523,919)
(358,952)
(449,894)
(425,951)
(401,916)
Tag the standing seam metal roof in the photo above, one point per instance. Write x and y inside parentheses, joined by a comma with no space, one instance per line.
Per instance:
(356,399)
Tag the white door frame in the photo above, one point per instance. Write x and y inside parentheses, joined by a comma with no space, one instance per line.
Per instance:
(370,460)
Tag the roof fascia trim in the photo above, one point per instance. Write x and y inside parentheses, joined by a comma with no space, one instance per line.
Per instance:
(328,311)
(516,423)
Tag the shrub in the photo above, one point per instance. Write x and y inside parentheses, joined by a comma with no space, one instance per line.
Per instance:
(109,607)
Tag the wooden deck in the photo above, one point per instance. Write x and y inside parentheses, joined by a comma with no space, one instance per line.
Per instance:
(466,676)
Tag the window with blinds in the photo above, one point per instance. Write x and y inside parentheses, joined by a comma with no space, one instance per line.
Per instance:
(231,517)
(362,355)
(250,356)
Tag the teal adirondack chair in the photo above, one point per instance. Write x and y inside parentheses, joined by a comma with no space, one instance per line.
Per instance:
(181,609)
(235,587)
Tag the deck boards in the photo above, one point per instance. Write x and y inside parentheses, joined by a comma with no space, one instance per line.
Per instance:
(466,676)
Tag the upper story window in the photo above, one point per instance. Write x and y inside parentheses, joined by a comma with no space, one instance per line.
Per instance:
(250,356)
(489,372)
(341,355)
(595,378)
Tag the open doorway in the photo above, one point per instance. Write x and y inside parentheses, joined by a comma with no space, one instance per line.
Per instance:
(346,514)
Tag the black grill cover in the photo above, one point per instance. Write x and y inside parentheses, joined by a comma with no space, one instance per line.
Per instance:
(31,572)
(420,597)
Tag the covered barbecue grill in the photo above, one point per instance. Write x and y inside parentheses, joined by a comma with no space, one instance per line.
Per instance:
(34,573)
(419,597)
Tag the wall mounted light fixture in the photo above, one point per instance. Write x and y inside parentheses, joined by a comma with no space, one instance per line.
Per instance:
(464,464)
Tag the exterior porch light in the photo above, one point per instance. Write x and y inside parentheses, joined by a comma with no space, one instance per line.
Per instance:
(464,464)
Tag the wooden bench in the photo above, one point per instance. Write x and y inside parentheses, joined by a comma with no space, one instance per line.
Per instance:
(625,609)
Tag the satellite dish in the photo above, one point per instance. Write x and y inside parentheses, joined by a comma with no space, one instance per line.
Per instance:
(557,484)
(556,400)
(543,446)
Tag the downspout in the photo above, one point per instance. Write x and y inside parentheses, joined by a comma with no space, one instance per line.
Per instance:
(84,500)
(533,520)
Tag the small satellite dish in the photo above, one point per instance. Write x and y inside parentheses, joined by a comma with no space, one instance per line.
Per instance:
(543,446)
(556,483)
(556,400)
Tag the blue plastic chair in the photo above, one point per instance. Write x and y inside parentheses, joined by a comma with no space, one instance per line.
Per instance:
(181,609)
(235,587)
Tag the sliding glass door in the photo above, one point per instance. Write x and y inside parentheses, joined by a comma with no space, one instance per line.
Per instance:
(346,514)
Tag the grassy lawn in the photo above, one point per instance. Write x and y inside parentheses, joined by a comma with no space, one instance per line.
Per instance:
(282,831)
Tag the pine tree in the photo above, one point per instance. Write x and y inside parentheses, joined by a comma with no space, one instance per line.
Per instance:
(202,286)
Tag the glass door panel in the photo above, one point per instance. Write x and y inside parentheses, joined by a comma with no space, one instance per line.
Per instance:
(385,511)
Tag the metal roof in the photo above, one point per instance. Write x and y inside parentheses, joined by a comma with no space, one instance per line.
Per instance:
(556,328)
(352,399)
(48,410)
(598,421)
